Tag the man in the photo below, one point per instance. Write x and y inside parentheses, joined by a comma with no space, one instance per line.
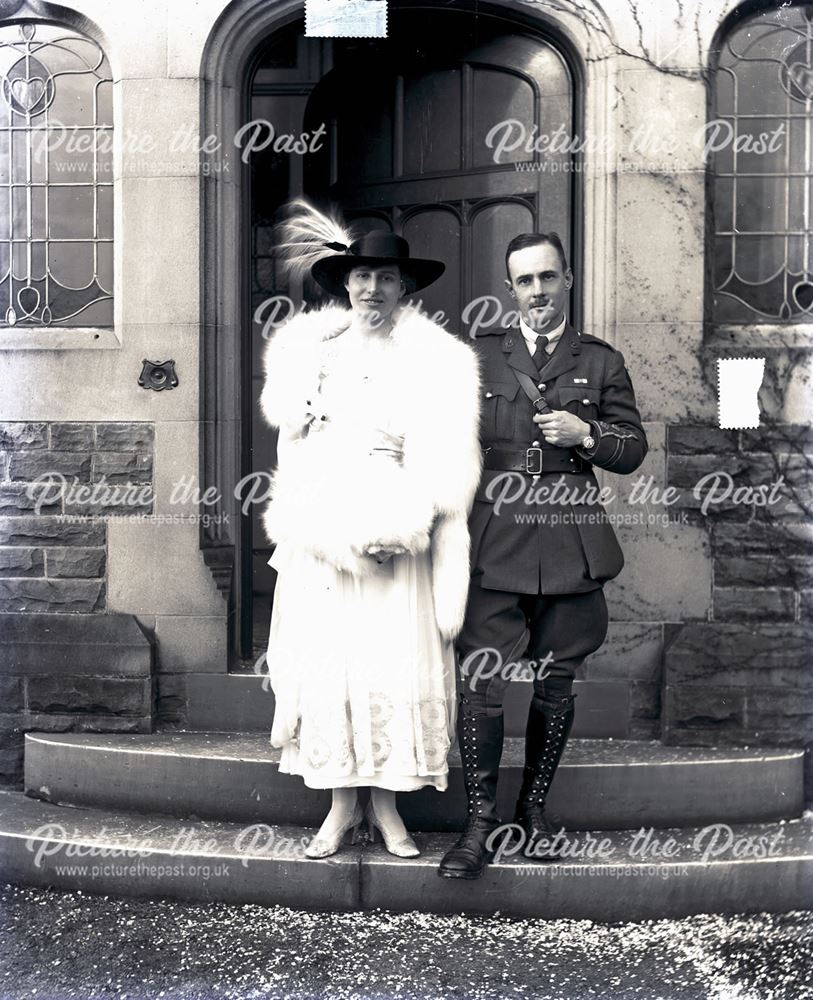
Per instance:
(556,403)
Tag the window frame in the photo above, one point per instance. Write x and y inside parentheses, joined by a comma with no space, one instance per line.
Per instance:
(59,338)
(794,332)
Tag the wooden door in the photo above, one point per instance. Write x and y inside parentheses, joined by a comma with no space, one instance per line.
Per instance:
(412,126)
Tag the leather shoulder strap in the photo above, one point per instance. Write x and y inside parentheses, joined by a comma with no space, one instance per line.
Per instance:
(529,387)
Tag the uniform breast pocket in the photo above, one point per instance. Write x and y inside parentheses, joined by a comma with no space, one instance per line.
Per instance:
(498,414)
(583,400)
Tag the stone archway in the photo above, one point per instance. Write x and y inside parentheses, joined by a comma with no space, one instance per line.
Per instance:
(227,61)
(230,54)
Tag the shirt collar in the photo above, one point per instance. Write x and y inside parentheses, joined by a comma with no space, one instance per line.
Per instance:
(552,335)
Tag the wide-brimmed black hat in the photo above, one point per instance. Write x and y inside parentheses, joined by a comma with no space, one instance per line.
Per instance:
(375,249)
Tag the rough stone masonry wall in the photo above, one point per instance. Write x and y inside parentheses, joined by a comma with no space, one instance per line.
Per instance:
(71,673)
(53,558)
(762,555)
(744,676)
(66,664)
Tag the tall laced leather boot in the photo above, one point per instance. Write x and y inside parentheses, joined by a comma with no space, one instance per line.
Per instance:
(546,736)
(481,742)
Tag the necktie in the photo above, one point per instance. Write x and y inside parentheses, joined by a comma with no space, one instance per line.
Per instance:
(540,355)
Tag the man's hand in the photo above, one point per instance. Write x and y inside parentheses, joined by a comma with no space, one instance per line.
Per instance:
(562,428)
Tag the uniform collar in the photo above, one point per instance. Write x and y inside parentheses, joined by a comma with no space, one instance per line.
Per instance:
(563,359)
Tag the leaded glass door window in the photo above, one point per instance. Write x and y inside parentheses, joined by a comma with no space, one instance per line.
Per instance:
(763,170)
(56,179)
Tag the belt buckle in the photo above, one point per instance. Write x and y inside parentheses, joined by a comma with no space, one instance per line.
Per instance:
(530,454)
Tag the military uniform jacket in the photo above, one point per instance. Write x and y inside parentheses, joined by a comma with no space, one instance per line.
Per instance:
(525,538)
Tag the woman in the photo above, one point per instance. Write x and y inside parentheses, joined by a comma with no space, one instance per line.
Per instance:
(379,459)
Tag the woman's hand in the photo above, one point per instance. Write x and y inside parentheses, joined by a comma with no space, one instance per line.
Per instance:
(315,418)
(383,552)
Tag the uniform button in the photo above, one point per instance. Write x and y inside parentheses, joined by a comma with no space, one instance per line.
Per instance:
(542,386)
(489,395)
(586,402)
(534,444)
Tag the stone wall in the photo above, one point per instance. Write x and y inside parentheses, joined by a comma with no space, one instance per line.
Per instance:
(744,676)
(53,532)
(761,542)
(66,663)
(711,616)
(71,673)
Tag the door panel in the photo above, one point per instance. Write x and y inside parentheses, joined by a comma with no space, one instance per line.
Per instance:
(492,227)
(428,149)
(437,233)
(501,97)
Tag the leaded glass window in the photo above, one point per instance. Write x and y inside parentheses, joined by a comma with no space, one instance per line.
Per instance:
(56,180)
(763,169)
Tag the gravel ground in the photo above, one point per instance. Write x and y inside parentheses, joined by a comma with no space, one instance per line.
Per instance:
(73,946)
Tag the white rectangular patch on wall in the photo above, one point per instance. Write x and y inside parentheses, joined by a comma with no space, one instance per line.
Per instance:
(345,18)
(738,383)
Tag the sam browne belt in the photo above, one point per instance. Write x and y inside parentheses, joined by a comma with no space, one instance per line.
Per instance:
(533,461)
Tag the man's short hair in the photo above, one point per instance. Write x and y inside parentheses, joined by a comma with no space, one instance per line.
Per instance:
(534,240)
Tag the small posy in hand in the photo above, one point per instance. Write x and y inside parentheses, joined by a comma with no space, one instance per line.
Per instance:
(383,551)
(315,416)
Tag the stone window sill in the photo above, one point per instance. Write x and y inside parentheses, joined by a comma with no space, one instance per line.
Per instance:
(58,338)
(761,335)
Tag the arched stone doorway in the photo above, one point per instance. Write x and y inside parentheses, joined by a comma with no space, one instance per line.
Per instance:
(439,186)
(404,134)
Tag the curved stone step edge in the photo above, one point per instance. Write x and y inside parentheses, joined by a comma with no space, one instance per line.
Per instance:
(365,877)
(611,752)
(735,786)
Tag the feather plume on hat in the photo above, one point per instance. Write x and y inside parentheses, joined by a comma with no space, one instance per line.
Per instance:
(308,235)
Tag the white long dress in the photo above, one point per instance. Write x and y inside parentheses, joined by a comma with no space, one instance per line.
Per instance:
(363,682)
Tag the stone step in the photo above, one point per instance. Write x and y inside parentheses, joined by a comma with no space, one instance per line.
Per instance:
(601,784)
(714,870)
(242,703)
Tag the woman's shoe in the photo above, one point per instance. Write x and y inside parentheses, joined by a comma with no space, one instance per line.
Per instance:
(404,848)
(323,847)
